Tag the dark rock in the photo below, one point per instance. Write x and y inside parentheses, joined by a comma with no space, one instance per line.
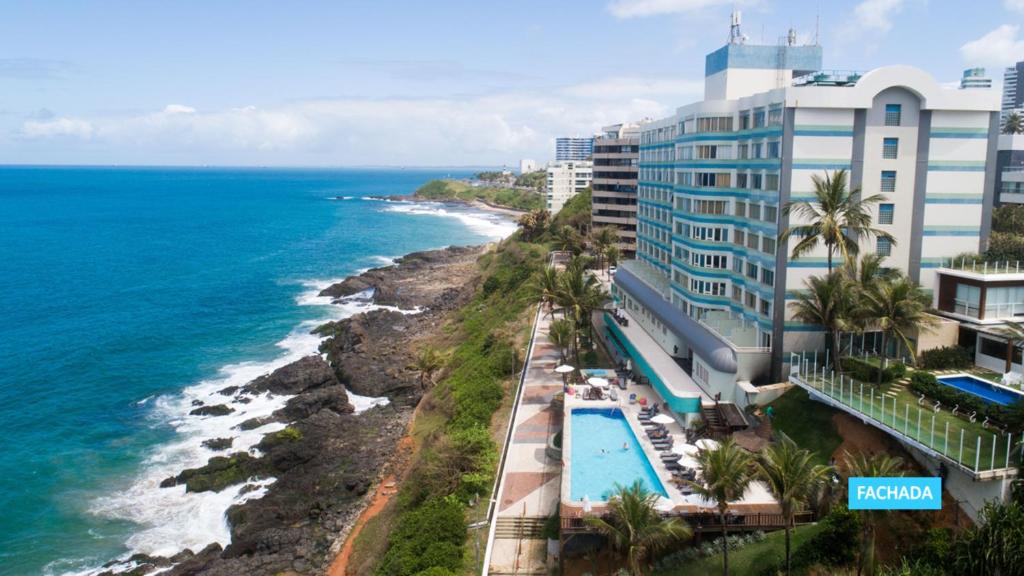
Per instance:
(254,423)
(307,373)
(220,472)
(304,405)
(215,410)
(229,391)
(197,402)
(218,443)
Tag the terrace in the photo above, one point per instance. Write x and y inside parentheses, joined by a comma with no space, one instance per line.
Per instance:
(981,451)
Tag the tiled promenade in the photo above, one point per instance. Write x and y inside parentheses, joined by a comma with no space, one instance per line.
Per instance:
(530,483)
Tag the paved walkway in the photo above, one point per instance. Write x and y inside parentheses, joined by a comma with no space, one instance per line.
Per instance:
(530,484)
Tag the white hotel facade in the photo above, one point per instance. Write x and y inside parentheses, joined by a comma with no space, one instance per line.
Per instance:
(710,282)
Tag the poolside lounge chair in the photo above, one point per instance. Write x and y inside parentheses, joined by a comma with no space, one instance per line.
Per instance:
(671,457)
(672,466)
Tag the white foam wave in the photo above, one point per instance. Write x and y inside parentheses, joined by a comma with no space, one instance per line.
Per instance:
(492,226)
(172,520)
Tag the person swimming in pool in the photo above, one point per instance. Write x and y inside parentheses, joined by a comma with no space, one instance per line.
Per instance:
(625,445)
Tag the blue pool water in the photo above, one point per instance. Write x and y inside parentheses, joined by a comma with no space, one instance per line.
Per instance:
(598,460)
(125,292)
(981,389)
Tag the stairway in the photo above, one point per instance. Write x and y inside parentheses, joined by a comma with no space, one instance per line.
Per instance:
(712,418)
(513,528)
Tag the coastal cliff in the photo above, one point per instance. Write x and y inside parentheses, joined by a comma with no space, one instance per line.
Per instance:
(327,457)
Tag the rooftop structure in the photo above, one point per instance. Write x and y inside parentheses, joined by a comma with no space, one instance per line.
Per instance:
(975,78)
(574,148)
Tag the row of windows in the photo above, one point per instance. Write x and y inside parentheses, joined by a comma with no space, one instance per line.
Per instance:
(756,211)
(652,194)
(766,244)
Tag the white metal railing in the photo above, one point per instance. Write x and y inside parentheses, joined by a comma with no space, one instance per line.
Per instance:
(978,452)
(1006,267)
(967,308)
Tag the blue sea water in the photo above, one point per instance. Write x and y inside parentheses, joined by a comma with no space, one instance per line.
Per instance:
(127,293)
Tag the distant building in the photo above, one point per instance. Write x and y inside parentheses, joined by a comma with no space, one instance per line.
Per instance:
(616,155)
(574,148)
(975,78)
(565,180)
(1013,91)
(1010,170)
(526,166)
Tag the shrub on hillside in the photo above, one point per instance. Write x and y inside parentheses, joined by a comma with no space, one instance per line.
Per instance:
(835,545)
(946,358)
(431,536)
(865,371)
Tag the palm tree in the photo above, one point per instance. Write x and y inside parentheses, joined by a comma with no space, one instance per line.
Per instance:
(895,307)
(727,472)
(868,269)
(792,477)
(827,302)
(602,238)
(428,361)
(1014,124)
(1014,334)
(545,287)
(533,223)
(836,218)
(568,239)
(560,332)
(635,527)
(864,466)
(611,256)
(579,295)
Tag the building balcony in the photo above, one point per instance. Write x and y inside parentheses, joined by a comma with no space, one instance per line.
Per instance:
(981,293)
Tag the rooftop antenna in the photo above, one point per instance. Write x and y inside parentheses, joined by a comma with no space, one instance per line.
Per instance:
(735,35)
(791,37)
(817,25)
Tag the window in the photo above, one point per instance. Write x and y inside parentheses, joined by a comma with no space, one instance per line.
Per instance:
(755,150)
(890,147)
(741,180)
(767,277)
(744,119)
(715,124)
(888,181)
(739,237)
(1004,302)
(775,115)
(737,294)
(758,117)
(885,213)
(766,307)
(773,149)
(755,212)
(883,247)
(771,213)
(751,300)
(737,265)
(892,114)
(755,181)
(768,245)
(743,151)
(771,182)
(751,270)
(753,241)
(741,209)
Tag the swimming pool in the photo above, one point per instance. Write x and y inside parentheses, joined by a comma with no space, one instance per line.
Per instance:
(598,459)
(982,388)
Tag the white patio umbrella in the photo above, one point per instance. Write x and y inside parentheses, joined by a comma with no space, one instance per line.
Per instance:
(664,505)
(587,506)
(629,364)
(598,382)
(685,449)
(564,369)
(662,419)
(688,462)
(706,444)
(699,500)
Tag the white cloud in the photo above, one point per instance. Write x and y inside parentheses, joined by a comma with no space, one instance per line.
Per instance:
(1014,5)
(642,8)
(57,127)
(877,14)
(488,129)
(1000,47)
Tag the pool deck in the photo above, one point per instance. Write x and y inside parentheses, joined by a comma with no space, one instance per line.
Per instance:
(757,499)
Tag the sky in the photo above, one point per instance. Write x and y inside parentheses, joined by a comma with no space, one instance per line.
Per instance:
(413,83)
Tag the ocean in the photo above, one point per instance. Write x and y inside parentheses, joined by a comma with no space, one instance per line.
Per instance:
(127,293)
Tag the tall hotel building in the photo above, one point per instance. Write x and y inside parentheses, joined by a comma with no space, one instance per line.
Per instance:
(710,283)
(613,204)
(574,149)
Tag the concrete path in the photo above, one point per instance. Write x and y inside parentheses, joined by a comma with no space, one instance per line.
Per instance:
(530,485)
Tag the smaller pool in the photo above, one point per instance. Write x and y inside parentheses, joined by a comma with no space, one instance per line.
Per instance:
(983,389)
(598,458)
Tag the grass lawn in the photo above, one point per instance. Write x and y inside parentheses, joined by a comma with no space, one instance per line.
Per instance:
(748,560)
(897,407)
(808,423)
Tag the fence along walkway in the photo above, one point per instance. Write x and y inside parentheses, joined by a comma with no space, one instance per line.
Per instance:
(985,454)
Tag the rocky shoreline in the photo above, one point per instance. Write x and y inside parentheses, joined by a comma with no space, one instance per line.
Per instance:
(476,203)
(327,458)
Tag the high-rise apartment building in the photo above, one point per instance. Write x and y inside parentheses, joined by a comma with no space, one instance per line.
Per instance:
(565,180)
(573,148)
(975,78)
(1013,90)
(613,204)
(711,280)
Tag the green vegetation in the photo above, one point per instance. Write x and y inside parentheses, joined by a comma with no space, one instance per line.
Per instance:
(289,434)
(536,180)
(219,473)
(727,472)
(456,461)
(635,528)
(498,196)
(867,370)
(946,358)
(808,423)
(875,466)
(749,560)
